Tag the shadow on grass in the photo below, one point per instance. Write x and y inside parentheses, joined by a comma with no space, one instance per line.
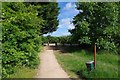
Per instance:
(72,49)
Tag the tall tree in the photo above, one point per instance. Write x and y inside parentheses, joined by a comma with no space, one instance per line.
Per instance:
(97,23)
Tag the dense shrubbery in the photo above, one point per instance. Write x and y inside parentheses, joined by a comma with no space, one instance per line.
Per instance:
(21,40)
(21,35)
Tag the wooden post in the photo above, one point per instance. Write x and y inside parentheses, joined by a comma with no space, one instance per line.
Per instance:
(95,56)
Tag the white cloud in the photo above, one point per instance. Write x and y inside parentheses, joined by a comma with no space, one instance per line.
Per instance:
(81,11)
(65,34)
(69,10)
(71,26)
(54,32)
(69,6)
(60,26)
(75,11)
(65,21)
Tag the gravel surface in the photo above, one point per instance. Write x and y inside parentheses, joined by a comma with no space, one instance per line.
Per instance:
(49,67)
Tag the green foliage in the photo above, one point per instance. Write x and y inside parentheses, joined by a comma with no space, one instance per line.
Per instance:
(21,39)
(97,23)
(85,40)
(21,34)
(50,39)
(48,12)
(74,61)
(44,39)
(106,45)
(63,39)
(66,39)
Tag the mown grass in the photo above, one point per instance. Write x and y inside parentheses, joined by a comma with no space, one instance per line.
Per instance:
(74,61)
(24,72)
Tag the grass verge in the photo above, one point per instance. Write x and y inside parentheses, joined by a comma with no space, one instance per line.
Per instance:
(74,64)
(24,72)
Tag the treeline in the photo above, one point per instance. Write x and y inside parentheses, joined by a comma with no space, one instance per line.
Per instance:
(23,25)
(62,40)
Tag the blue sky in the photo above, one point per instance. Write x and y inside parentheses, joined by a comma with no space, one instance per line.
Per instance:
(67,12)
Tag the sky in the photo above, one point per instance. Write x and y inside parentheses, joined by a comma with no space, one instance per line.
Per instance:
(67,13)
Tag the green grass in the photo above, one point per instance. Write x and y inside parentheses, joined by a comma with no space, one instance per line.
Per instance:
(74,64)
(24,72)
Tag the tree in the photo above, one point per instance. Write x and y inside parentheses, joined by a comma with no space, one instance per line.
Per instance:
(63,40)
(96,23)
(51,39)
(48,12)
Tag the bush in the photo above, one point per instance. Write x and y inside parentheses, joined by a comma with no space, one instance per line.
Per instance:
(21,38)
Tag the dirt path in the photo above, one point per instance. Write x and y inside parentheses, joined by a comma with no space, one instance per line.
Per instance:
(49,67)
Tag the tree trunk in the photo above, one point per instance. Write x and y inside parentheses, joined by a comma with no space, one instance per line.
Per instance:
(56,44)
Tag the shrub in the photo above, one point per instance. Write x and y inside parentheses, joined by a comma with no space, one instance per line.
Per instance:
(21,38)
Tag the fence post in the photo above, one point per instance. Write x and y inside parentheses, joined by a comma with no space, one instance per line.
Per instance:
(95,56)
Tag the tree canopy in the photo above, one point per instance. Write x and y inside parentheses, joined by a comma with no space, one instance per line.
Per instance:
(48,12)
(97,22)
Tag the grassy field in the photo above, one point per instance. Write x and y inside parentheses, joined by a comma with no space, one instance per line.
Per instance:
(73,61)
